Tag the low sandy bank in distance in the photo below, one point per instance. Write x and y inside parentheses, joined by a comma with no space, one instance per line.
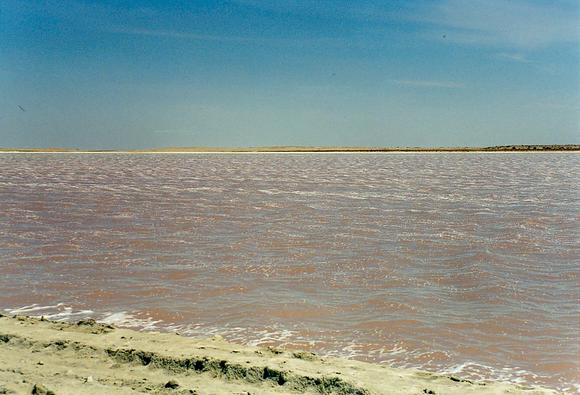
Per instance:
(38,356)
(311,149)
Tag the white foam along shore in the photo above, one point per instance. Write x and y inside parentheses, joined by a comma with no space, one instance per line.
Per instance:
(39,356)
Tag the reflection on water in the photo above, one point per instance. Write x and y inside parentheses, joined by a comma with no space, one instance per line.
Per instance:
(464,263)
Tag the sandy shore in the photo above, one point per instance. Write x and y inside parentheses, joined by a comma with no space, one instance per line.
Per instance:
(45,357)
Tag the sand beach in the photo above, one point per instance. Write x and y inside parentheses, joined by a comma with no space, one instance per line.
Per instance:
(49,357)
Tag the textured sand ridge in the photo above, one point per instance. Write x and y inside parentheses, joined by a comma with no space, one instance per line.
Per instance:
(45,357)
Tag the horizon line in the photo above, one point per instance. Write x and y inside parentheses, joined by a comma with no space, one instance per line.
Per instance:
(299,148)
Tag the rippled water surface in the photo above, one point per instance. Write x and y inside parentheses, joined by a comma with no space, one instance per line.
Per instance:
(464,263)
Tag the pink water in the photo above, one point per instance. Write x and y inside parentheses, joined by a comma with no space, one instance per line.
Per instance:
(463,263)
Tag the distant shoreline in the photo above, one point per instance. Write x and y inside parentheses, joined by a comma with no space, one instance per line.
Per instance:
(296,149)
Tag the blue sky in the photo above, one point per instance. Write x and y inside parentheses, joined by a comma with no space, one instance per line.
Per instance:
(127,74)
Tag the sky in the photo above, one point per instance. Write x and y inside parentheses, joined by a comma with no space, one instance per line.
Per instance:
(159,73)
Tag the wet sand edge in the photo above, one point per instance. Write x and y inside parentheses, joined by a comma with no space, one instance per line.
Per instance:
(41,356)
